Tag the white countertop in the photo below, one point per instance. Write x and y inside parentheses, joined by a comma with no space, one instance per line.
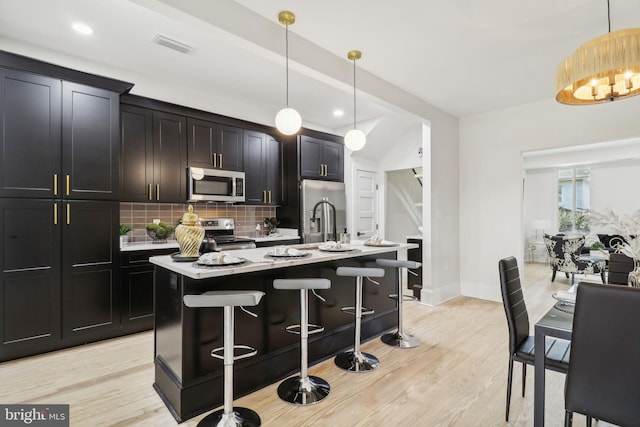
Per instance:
(259,261)
(416,236)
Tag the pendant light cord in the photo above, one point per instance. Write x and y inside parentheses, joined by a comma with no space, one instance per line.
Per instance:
(354,93)
(609,15)
(286,37)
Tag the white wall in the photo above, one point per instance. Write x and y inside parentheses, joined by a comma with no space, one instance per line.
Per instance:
(491,174)
(540,203)
(615,186)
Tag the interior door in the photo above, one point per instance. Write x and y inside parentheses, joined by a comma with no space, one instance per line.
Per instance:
(366,204)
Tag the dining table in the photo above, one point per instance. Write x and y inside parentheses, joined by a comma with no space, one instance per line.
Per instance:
(556,323)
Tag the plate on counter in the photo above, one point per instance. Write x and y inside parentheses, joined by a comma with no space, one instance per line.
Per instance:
(382,244)
(176,257)
(565,298)
(217,259)
(287,254)
(336,249)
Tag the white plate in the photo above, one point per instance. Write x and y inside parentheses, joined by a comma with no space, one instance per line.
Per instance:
(300,254)
(342,249)
(382,245)
(565,298)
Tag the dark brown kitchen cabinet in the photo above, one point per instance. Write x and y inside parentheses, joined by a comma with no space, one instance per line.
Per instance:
(90,285)
(59,285)
(321,159)
(263,169)
(30,268)
(58,138)
(136,294)
(214,146)
(154,155)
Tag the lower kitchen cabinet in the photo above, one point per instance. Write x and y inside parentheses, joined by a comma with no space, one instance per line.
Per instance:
(59,282)
(136,296)
(280,242)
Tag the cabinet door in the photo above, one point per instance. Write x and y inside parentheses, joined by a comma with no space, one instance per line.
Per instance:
(136,154)
(30,121)
(333,159)
(273,166)
(201,142)
(229,148)
(90,287)
(169,158)
(254,180)
(90,149)
(30,277)
(137,298)
(310,157)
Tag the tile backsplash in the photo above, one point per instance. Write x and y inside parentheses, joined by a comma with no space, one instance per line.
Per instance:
(139,214)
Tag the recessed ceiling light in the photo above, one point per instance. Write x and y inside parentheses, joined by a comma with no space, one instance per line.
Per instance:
(338,113)
(82,28)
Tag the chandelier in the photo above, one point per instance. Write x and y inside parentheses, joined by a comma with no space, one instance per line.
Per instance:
(606,68)
(355,138)
(288,120)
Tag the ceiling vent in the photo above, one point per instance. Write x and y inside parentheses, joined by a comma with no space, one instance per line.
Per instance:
(172,44)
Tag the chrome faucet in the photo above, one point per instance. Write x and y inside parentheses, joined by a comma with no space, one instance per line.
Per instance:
(313,219)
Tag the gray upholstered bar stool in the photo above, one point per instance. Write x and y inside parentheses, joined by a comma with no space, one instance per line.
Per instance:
(303,389)
(357,361)
(400,338)
(228,416)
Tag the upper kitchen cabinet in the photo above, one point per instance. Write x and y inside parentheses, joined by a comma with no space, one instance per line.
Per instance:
(30,131)
(263,169)
(321,159)
(90,156)
(214,146)
(58,138)
(154,155)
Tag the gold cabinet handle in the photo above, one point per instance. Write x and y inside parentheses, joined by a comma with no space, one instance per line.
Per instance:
(321,169)
(150,193)
(68,214)
(215,160)
(55,214)
(269,196)
(55,184)
(220,155)
(68,184)
(264,197)
(158,192)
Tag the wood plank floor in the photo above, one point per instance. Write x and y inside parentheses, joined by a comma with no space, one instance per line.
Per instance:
(457,377)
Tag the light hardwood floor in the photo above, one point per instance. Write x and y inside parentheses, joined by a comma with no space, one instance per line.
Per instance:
(457,377)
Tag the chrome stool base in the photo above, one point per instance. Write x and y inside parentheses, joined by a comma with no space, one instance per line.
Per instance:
(307,391)
(240,417)
(400,340)
(356,361)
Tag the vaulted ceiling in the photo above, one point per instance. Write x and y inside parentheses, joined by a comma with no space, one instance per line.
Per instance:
(461,56)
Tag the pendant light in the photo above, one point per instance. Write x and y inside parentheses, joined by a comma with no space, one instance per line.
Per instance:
(288,120)
(604,69)
(355,138)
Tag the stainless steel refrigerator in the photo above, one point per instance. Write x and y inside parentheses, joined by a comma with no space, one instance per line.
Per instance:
(324,210)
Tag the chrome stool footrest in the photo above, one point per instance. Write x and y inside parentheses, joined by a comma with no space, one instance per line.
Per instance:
(312,329)
(352,311)
(218,353)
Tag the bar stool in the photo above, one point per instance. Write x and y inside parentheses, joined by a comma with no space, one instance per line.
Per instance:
(228,416)
(400,338)
(303,389)
(357,361)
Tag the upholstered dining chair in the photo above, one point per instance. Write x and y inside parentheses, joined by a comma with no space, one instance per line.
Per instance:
(521,344)
(603,381)
(564,256)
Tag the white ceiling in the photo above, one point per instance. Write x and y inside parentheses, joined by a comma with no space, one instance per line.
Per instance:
(462,56)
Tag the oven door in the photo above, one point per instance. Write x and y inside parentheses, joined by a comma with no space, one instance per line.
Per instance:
(215,185)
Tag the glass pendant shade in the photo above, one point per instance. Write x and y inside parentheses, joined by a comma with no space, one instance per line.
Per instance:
(355,139)
(288,121)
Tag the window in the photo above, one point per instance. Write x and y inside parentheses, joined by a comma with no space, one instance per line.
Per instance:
(573,199)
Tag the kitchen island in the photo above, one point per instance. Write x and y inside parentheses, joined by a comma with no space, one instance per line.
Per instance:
(190,381)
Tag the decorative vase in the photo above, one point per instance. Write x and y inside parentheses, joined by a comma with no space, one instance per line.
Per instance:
(124,240)
(189,234)
(634,277)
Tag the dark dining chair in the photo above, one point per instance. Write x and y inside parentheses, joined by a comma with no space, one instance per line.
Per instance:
(603,381)
(521,344)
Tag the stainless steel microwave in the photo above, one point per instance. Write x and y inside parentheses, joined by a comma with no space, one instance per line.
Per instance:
(215,185)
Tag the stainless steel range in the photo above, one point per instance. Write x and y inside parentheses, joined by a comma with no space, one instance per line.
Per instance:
(222,230)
